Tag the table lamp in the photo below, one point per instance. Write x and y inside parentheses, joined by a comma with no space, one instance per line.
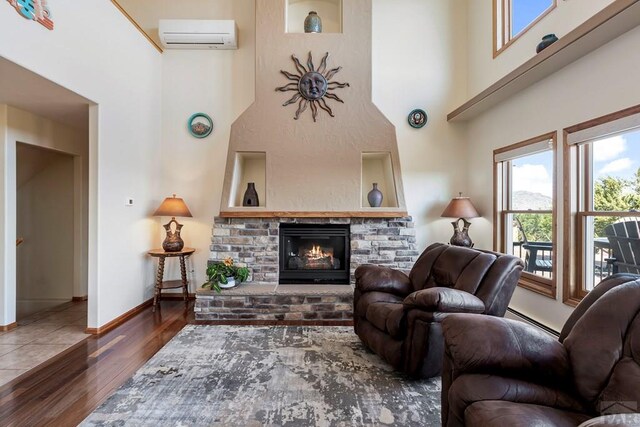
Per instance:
(173,207)
(461,208)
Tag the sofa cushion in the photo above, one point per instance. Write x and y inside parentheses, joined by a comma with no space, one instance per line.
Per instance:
(388,317)
(490,413)
(363,301)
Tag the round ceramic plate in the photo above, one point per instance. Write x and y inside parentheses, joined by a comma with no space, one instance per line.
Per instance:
(417,118)
(200,125)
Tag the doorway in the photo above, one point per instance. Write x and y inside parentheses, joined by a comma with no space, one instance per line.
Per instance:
(45,229)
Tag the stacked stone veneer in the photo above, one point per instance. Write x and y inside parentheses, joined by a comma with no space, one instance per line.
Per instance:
(327,308)
(254,242)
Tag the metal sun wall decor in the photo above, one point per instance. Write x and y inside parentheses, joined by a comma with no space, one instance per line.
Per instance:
(35,10)
(312,86)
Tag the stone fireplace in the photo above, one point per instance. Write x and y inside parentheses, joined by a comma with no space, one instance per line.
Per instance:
(312,173)
(257,242)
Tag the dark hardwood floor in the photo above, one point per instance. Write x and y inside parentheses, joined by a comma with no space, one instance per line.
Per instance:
(71,386)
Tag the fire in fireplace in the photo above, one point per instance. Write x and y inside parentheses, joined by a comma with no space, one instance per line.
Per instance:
(314,253)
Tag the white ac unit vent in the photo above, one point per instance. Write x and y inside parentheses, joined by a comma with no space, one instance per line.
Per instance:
(198,34)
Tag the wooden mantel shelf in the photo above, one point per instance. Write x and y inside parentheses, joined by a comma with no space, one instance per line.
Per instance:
(319,214)
(611,22)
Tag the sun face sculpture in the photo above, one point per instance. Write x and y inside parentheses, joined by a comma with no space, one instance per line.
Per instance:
(312,86)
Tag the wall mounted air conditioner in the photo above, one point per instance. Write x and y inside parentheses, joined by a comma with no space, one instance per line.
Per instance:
(198,34)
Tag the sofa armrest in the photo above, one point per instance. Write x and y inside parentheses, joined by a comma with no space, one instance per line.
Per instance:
(373,278)
(510,348)
(444,300)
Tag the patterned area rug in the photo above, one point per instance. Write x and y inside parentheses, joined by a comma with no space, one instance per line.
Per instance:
(272,375)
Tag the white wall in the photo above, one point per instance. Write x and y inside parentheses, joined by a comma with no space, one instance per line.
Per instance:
(94,51)
(423,65)
(45,220)
(218,83)
(591,87)
(406,75)
(484,70)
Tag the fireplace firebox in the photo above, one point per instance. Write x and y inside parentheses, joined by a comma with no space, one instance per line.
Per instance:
(314,254)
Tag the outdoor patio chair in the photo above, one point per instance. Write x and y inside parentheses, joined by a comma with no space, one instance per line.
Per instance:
(538,256)
(624,237)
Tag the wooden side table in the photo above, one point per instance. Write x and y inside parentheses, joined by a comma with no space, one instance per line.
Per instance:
(170,284)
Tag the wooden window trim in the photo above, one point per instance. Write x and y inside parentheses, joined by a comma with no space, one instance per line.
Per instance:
(573,216)
(502,14)
(540,285)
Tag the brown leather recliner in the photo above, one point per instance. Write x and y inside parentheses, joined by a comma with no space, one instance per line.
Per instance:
(398,316)
(500,372)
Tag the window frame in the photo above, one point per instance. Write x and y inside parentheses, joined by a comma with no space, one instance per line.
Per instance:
(502,24)
(501,190)
(578,197)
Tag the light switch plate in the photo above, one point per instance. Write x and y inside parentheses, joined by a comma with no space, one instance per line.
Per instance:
(128,201)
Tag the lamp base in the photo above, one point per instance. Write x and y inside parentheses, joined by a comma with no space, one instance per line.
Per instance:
(173,242)
(461,236)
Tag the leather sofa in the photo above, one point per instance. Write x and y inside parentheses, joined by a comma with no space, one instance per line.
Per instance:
(398,316)
(501,372)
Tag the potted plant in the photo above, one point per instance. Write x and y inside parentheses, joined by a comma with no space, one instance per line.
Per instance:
(225,274)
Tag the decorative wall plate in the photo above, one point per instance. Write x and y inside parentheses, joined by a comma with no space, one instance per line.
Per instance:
(417,118)
(200,125)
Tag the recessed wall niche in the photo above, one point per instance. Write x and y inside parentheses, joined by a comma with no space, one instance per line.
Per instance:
(249,167)
(330,11)
(377,167)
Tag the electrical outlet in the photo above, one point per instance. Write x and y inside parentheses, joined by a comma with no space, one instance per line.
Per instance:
(128,201)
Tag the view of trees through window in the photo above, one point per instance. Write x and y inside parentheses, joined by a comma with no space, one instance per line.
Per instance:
(616,186)
(613,163)
(532,190)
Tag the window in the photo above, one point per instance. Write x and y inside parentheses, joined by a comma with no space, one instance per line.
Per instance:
(524,216)
(602,237)
(513,18)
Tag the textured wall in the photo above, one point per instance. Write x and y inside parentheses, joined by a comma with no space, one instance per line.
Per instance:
(313,166)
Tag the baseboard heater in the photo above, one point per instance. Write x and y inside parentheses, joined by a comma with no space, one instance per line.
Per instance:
(532,322)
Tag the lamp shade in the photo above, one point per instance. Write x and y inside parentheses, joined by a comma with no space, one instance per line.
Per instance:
(173,206)
(460,207)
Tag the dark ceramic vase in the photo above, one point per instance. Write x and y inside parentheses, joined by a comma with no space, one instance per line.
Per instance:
(461,235)
(547,41)
(312,23)
(250,196)
(173,242)
(375,196)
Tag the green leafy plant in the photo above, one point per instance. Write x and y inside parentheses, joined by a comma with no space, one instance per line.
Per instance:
(220,272)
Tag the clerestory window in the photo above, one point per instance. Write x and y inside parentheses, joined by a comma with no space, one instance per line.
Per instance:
(513,18)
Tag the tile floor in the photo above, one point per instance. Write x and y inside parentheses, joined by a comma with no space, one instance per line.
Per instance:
(40,337)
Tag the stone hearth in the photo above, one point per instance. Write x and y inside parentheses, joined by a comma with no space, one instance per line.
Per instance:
(332,303)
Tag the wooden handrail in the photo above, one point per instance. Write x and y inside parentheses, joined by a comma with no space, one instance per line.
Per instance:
(135,24)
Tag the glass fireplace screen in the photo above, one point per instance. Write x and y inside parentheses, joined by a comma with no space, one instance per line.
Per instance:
(314,253)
